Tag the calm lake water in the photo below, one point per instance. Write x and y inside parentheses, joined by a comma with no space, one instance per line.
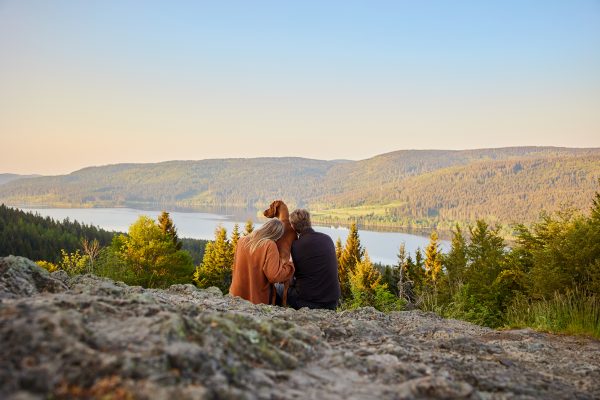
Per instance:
(381,246)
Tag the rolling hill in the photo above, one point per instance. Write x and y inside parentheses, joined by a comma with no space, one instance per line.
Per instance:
(402,188)
(5,178)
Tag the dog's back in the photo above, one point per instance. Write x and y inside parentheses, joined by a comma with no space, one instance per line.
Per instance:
(278,209)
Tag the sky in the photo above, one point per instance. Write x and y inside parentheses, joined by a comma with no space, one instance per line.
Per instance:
(101,82)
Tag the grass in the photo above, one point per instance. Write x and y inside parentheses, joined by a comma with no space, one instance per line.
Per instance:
(575,312)
(353,212)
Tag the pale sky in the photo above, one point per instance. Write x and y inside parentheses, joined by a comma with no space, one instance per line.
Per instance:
(99,82)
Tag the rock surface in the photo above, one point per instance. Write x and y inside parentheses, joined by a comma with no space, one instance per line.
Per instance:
(89,337)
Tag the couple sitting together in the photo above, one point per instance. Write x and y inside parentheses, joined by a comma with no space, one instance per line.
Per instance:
(313,268)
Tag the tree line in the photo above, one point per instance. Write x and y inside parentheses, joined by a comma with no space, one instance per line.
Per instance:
(38,238)
(78,248)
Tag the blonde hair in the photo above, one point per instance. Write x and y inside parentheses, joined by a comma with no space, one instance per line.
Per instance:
(300,220)
(271,230)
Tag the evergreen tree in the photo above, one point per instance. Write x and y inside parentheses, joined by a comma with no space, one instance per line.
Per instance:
(456,260)
(415,272)
(486,252)
(217,264)
(388,277)
(152,255)
(363,279)
(37,238)
(349,258)
(248,228)
(368,289)
(433,261)
(235,237)
(398,273)
(338,249)
(595,212)
(167,227)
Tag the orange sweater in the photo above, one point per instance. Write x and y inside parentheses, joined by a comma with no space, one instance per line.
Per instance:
(254,273)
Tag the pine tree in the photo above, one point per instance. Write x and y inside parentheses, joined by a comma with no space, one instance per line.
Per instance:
(415,272)
(217,263)
(167,227)
(367,288)
(400,270)
(486,253)
(363,280)
(456,260)
(248,228)
(235,237)
(595,212)
(338,249)
(433,261)
(351,255)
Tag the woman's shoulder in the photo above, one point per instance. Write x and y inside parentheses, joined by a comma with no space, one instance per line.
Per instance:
(268,246)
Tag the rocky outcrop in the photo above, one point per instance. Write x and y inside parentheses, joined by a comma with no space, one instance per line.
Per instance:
(88,337)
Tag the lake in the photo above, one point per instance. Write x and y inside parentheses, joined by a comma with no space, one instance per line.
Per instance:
(381,246)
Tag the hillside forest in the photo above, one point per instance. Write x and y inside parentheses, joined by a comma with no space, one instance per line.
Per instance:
(408,189)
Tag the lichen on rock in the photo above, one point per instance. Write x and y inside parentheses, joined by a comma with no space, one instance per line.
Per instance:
(90,337)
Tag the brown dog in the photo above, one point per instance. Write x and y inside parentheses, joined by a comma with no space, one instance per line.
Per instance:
(279,210)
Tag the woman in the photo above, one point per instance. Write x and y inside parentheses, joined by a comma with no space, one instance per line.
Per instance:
(257,264)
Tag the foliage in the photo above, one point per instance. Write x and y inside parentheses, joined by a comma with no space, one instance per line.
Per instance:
(73,263)
(350,256)
(111,265)
(564,252)
(386,301)
(37,238)
(217,264)
(415,273)
(433,260)
(455,262)
(152,255)
(549,280)
(91,249)
(195,247)
(466,306)
(249,228)
(48,266)
(58,244)
(367,288)
(575,312)
(168,228)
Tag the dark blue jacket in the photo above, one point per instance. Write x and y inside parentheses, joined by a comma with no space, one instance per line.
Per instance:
(316,268)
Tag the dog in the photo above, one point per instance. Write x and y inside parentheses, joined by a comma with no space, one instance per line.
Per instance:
(278,209)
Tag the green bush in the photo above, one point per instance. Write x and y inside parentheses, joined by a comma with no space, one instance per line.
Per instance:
(464,305)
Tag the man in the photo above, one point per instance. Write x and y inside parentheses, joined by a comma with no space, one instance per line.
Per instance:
(316,283)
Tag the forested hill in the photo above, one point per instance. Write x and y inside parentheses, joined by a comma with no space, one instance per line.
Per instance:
(5,178)
(506,184)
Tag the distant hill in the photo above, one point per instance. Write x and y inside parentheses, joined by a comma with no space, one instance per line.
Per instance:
(5,178)
(408,188)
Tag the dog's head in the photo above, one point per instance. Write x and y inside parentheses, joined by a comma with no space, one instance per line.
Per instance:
(273,209)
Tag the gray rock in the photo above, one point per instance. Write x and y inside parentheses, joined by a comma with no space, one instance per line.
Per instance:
(21,277)
(90,337)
